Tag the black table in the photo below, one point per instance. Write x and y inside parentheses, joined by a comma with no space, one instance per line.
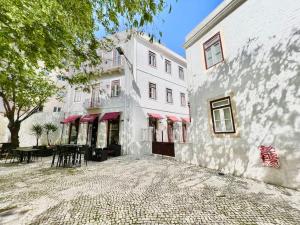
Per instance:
(26,151)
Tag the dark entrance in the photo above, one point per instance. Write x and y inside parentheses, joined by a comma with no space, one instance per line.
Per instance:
(153,123)
(113,132)
(73,132)
(94,132)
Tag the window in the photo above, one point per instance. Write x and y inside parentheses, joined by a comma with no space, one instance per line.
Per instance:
(60,77)
(168,66)
(115,88)
(169,96)
(77,96)
(182,99)
(222,116)
(181,73)
(116,58)
(152,90)
(56,109)
(152,59)
(213,51)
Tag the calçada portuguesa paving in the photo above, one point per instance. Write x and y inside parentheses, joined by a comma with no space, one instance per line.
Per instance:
(151,190)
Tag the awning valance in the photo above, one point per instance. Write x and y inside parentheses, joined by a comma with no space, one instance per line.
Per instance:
(173,118)
(186,120)
(71,118)
(155,116)
(110,116)
(89,118)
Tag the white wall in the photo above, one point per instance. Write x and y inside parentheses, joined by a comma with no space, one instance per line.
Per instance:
(261,72)
(25,135)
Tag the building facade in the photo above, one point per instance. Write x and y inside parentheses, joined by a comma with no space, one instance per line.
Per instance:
(244,77)
(140,97)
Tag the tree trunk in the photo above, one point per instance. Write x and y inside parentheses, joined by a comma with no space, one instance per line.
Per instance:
(48,138)
(14,128)
(37,141)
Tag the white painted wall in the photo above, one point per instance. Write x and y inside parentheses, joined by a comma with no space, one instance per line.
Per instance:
(25,136)
(261,72)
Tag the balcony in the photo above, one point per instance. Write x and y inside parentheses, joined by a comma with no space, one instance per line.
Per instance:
(112,65)
(104,102)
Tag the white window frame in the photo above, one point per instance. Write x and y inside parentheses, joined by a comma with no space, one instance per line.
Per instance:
(152,91)
(77,96)
(152,59)
(168,66)
(181,72)
(115,88)
(182,99)
(210,53)
(220,105)
(171,96)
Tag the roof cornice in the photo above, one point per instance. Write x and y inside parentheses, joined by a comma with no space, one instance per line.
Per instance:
(212,20)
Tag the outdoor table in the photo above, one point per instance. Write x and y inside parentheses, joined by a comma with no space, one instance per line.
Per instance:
(27,151)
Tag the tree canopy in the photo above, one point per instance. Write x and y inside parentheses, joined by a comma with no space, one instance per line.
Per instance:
(37,37)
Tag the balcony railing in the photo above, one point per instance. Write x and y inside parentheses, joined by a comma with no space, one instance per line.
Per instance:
(112,65)
(103,101)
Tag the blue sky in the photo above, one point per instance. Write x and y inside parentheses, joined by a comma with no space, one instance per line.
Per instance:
(185,16)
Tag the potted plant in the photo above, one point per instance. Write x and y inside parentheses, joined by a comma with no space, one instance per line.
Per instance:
(37,131)
(49,128)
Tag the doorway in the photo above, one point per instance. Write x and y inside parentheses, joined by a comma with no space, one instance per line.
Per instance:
(73,132)
(113,129)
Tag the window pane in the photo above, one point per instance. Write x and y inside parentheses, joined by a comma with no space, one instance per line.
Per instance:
(228,125)
(227,114)
(217,116)
(218,126)
(220,103)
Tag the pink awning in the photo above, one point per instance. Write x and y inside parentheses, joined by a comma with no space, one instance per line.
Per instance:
(89,118)
(71,118)
(110,116)
(186,120)
(173,118)
(155,116)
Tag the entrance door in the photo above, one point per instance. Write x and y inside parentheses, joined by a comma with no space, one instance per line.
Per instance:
(113,132)
(94,132)
(153,124)
(184,132)
(170,131)
(73,132)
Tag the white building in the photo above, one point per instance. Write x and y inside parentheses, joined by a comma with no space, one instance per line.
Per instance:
(244,75)
(145,87)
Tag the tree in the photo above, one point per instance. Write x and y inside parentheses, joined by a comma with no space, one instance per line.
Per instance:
(49,128)
(37,131)
(37,37)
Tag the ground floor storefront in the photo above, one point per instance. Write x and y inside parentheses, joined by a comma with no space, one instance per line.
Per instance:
(152,190)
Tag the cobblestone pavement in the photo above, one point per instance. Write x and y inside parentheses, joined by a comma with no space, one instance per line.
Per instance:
(151,190)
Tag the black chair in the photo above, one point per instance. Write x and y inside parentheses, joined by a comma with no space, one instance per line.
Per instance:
(5,149)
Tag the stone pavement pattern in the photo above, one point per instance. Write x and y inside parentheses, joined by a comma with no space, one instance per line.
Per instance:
(151,190)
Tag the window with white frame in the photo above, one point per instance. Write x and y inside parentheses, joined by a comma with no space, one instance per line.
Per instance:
(168,66)
(152,59)
(222,117)
(182,99)
(152,90)
(77,96)
(181,72)
(169,95)
(213,51)
(115,88)
(116,58)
